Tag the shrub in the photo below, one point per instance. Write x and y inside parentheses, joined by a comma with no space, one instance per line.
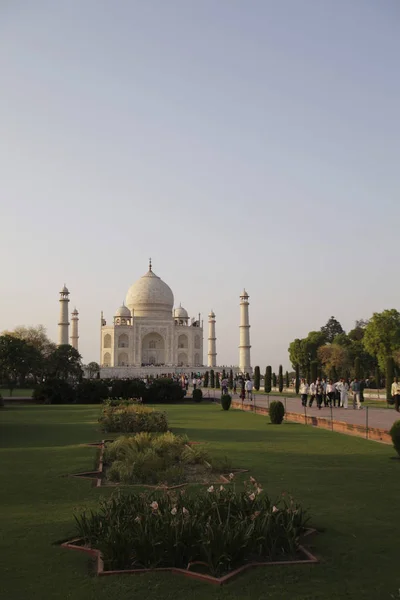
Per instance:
(395,434)
(268,380)
(54,391)
(206,379)
(280,379)
(164,391)
(1,401)
(287,382)
(226,400)
(133,419)
(276,412)
(220,527)
(257,378)
(217,383)
(212,378)
(91,391)
(127,388)
(273,380)
(197,395)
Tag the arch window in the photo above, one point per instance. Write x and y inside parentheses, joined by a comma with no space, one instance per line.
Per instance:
(107,341)
(123,359)
(152,344)
(197,341)
(182,341)
(123,341)
(107,360)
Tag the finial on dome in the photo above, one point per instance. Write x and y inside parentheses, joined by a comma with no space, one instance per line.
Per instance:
(149,264)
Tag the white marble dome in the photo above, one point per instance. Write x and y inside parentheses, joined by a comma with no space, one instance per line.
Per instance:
(123,311)
(150,296)
(180,313)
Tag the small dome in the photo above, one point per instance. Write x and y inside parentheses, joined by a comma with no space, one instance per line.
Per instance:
(212,314)
(150,297)
(64,290)
(180,313)
(123,311)
(75,312)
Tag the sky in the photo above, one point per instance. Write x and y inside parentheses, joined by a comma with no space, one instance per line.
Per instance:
(237,143)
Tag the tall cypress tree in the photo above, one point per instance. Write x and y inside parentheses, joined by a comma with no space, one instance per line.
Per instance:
(257,378)
(273,380)
(313,371)
(230,379)
(287,383)
(389,376)
(280,379)
(206,377)
(212,378)
(217,384)
(268,380)
(223,374)
(297,379)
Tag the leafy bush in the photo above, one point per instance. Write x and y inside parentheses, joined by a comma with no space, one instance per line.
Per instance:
(54,391)
(91,391)
(197,395)
(226,400)
(164,391)
(280,379)
(133,419)
(121,402)
(395,434)
(153,459)
(128,388)
(276,412)
(1,401)
(257,378)
(268,380)
(221,527)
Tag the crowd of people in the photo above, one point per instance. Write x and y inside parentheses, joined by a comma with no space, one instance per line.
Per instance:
(327,393)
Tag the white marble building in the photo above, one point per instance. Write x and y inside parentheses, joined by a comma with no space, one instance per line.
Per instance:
(148,335)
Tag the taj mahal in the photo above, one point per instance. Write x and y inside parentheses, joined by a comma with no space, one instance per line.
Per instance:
(148,335)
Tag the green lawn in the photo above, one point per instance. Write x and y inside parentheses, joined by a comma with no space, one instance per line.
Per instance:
(17,392)
(350,486)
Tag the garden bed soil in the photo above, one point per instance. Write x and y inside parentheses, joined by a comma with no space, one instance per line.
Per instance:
(195,570)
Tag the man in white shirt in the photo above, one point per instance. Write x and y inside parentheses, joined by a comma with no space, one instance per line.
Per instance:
(312,393)
(303,392)
(396,393)
(249,388)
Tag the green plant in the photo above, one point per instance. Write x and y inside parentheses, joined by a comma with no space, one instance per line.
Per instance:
(287,382)
(206,379)
(274,380)
(132,419)
(276,412)
(217,383)
(219,526)
(357,368)
(297,382)
(313,370)
(268,380)
(389,377)
(226,400)
(91,391)
(212,378)
(55,391)
(257,378)
(230,382)
(280,379)
(197,395)
(395,435)
(1,401)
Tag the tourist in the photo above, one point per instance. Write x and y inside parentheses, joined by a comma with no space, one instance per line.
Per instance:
(249,389)
(330,392)
(242,389)
(355,388)
(194,382)
(396,393)
(319,392)
(303,392)
(312,393)
(234,386)
(324,385)
(343,388)
(224,386)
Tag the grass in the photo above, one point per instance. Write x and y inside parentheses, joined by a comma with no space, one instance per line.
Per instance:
(17,392)
(350,486)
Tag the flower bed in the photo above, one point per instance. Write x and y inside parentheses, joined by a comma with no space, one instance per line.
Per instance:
(157,459)
(211,534)
(133,418)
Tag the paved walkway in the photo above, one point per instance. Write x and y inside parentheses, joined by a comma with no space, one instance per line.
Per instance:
(381,418)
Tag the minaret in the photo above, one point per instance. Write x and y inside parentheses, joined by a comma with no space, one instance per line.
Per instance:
(244,328)
(74,329)
(63,324)
(212,346)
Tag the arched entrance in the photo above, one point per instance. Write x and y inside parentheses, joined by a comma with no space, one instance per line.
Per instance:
(153,349)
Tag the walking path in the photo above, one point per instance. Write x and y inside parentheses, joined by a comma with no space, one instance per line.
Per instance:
(381,418)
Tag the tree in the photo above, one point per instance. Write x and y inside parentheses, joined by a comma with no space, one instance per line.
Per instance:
(382,335)
(64,363)
(18,359)
(333,356)
(298,354)
(268,379)
(257,378)
(280,379)
(357,368)
(34,336)
(217,384)
(223,374)
(273,380)
(377,378)
(212,378)
(313,370)
(206,377)
(331,329)
(389,376)
(230,382)
(92,369)
(287,383)
(297,384)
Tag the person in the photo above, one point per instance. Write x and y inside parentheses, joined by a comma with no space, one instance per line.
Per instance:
(396,393)
(312,393)
(324,385)
(234,386)
(330,392)
(249,389)
(242,389)
(303,392)
(343,388)
(319,392)
(355,388)
(224,386)
(194,383)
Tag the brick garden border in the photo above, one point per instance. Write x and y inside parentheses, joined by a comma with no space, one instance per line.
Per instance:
(96,476)
(373,433)
(76,544)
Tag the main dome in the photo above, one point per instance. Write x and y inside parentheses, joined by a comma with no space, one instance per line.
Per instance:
(150,297)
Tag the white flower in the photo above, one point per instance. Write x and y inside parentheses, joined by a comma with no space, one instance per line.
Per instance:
(185,511)
(231,476)
(221,489)
(275,509)
(210,489)
(137,520)
(252,496)
(259,490)
(154,505)
(174,511)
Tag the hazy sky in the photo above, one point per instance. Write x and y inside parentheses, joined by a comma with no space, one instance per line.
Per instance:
(238,143)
